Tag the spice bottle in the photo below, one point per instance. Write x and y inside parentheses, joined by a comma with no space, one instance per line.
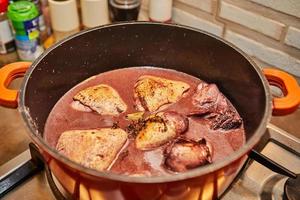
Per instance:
(42,26)
(94,13)
(7,43)
(124,10)
(44,30)
(24,17)
(64,18)
(160,11)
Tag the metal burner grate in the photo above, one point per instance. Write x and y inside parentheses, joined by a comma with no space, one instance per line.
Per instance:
(257,182)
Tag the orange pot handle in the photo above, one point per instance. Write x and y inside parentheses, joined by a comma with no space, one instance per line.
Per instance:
(289,86)
(9,97)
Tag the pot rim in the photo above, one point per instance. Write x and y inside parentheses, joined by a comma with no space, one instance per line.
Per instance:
(33,133)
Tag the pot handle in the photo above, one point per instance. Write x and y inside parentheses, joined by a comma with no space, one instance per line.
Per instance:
(9,97)
(289,86)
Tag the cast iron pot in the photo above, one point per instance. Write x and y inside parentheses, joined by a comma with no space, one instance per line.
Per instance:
(177,47)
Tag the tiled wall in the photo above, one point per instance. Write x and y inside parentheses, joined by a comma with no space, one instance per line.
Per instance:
(268,30)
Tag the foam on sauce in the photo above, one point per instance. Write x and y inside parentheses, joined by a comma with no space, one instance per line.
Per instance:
(132,161)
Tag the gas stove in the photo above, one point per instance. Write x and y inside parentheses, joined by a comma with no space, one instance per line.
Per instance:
(253,182)
(256,181)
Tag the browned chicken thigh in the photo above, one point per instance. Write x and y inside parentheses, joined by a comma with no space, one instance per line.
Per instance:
(95,149)
(159,129)
(102,98)
(151,93)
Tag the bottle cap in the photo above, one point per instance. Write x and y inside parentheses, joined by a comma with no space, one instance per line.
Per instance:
(22,11)
(3,5)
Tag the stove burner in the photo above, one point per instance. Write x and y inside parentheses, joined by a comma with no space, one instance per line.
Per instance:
(292,188)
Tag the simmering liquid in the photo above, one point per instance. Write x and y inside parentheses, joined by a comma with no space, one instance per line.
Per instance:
(130,160)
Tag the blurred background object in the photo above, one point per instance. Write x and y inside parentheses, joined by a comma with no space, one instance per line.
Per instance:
(24,18)
(44,7)
(42,26)
(64,18)
(7,43)
(43,22)
(160,11)
(124,10)
(94,13)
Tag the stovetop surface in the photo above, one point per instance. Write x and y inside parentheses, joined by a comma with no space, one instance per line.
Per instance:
(257,182)
(35,188)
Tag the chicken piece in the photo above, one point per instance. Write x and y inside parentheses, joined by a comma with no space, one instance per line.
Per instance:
(150,92)
(187,154)
(80,107)
(95,149)
(101,98)
(159,129)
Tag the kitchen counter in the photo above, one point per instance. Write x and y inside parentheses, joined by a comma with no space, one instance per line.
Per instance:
(14,138)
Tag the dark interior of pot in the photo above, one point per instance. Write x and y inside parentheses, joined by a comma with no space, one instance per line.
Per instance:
(145,44)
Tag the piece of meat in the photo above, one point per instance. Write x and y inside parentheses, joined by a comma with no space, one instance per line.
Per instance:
(95,149)
(222,104)
(150,92)
(159,129)
(209,101)
(205,99)
(226,120)
(224,116)
(185,154)
(102,98)
(176,120)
